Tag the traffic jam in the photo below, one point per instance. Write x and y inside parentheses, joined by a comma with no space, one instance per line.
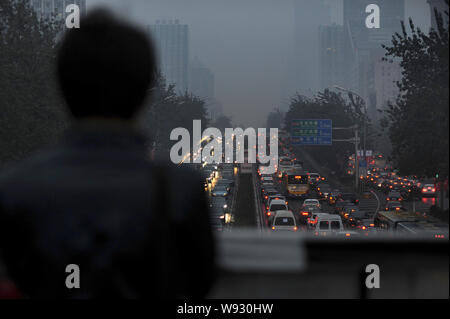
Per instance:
(298,198)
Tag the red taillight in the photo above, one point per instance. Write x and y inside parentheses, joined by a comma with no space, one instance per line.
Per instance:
(433,190)
(347,235)
(268,213)
(305,213)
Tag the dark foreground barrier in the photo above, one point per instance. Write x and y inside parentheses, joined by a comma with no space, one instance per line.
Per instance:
(265,265)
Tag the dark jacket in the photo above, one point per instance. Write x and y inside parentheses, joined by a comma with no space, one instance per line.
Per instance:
(135,229)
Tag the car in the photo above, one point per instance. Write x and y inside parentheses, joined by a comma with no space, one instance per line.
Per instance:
(266,188)
(393,205)
(328,224)
(428,190)
(314,178)
(284,220)
(219,203)
(306,213)
(354,216)
(225,182)
(347,209)
(297,164)
(272,197)
(276,204)
(351,197)
(220,190)
(379,184)
(333,197)
(216,223)
(266,179)
(311,202)
(366,226)
(323,190)
(269,192)
(394,196)
(339,206)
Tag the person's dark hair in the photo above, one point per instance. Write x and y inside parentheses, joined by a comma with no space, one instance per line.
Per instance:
(105,68)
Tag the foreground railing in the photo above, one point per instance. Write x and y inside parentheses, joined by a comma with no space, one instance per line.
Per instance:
(289,265)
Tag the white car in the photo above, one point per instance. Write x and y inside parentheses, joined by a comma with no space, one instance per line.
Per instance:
(267,179)
(276,204)
(284,220)
(311,202)
(328,225)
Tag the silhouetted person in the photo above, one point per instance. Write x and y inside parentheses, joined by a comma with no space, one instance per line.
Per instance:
(134,228)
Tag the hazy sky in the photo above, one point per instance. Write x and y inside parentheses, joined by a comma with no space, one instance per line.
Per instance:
(246,43)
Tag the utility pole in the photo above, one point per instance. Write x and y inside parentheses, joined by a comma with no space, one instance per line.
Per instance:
(356,161)
(355,141)
(350,93)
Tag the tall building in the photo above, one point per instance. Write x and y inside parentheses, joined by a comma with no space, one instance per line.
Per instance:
(46,8)
(363,43)
(305,77)
(201,84)
(441,7)
(171,42)
(382,77)
(331,56)
(201,80)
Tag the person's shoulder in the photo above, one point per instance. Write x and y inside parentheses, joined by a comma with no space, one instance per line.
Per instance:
(180,174)
(24,169)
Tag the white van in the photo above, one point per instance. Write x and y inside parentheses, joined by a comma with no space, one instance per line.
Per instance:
(284,220)
(328,224)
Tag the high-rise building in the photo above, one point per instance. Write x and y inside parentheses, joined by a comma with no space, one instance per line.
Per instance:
(382,77)
(201,80)
(46,8)
(363,43)
(305,77)
(201,84)
(441,7)
(171,42)
(331,56)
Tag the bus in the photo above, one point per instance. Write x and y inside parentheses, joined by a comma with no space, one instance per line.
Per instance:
(295,183)
(409,223)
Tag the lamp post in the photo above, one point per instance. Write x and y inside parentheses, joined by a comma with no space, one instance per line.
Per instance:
(350,92)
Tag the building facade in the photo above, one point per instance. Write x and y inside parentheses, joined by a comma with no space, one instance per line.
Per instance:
(332,56)
(171,42)
(47,8)
(363,47)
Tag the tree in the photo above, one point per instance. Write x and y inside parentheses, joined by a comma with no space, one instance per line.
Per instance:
(167,111)
(275,119)
(328,105)
(31,112)
(418,121)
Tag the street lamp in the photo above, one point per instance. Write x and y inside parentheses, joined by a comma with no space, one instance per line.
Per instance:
(350,92)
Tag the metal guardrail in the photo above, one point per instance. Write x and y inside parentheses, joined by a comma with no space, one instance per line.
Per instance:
(257,198)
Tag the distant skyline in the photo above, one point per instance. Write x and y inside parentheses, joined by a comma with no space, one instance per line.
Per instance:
(247,44)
